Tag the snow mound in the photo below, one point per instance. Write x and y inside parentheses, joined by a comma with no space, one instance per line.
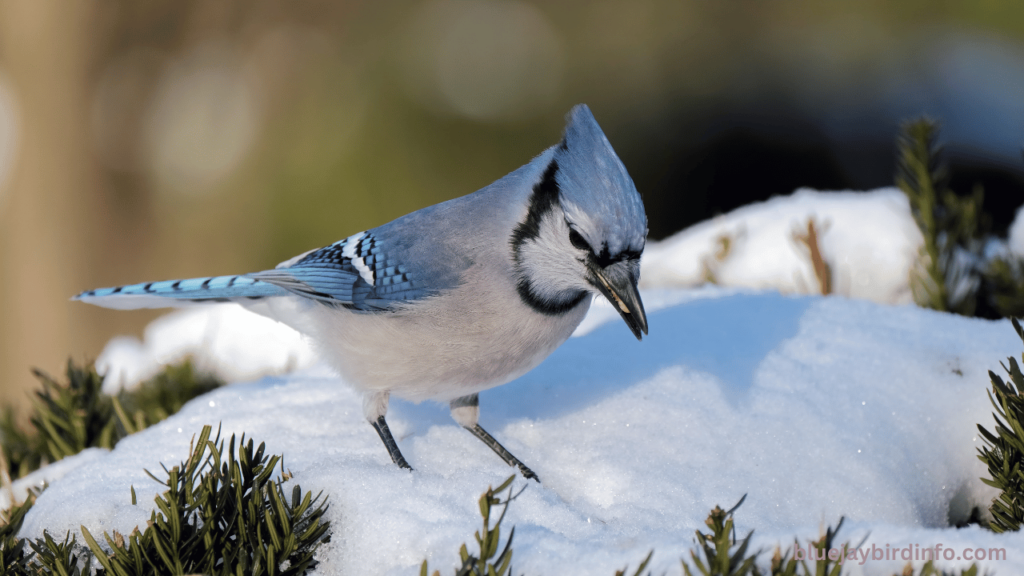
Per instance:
(1016,237)
(814,407)
(222,339)
(869,239)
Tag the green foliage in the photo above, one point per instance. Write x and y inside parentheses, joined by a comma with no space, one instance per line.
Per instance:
(724,556)
(720,559)
(69,417)
(916,178)
(488,562)
(65,558)
(222,515)
(948,274)
(162,395)
(953,273)
(219,515)
(929,569)
(1003,451)
(21,452)
(785,565)
(719,553)
(1004,284)
(14,557)
(640,568)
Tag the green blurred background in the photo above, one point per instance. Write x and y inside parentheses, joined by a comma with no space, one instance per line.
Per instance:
(164,139)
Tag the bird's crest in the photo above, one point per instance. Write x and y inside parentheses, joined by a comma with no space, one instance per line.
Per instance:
(596,191)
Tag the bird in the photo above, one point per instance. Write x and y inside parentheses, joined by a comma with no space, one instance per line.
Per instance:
(458,297)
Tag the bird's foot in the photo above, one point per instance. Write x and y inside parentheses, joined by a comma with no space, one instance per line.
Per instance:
(381,426)
(527,473)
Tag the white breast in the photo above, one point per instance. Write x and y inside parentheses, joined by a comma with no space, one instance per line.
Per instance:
(464,341)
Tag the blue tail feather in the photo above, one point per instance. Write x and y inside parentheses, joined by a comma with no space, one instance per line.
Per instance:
(169,293)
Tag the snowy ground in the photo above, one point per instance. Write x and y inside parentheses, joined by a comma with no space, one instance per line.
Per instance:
(814,407)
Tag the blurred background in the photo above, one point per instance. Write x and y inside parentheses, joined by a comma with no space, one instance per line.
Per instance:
(164,139)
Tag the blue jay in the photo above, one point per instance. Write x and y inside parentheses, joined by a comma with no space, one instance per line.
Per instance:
(457,297)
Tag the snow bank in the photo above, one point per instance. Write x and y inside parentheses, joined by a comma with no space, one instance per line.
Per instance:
(814,407)
(39,479)
(1016,240)
(225,340)
(869,239)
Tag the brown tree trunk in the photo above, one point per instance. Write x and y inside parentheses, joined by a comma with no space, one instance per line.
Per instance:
(53,219)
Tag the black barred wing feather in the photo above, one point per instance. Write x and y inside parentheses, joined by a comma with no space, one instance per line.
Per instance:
(356,273)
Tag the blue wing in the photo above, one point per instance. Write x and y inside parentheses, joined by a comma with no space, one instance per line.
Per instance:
(357,273)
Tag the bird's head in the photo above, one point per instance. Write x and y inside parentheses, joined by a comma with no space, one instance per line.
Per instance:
(585,228)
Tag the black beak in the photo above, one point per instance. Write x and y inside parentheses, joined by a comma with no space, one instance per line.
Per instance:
(618,286)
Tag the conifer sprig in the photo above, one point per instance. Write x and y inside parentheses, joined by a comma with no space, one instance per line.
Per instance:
(1003,449)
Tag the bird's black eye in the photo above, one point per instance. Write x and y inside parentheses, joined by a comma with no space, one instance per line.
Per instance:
(577,240)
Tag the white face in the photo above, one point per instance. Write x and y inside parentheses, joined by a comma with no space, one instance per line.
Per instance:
(558,267)
(554,265)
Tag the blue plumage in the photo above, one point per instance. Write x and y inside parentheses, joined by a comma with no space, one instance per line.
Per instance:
(355,273)
(596,192)
(457,297)
(168,292)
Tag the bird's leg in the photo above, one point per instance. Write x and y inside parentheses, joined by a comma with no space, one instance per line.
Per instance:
(466,411)
(375,405)
(501,451)
(381,426)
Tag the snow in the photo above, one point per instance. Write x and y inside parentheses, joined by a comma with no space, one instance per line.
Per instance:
(39,479)
(815,407)
(869,238)
(1016,239)
(224,340)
